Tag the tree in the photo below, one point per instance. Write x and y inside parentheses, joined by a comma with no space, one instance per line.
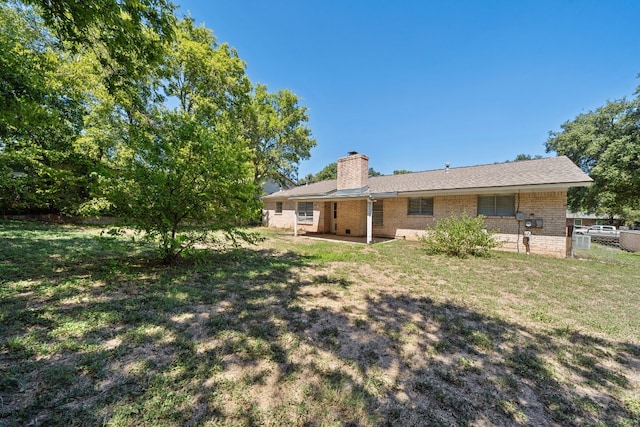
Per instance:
(181,174)
(373,172)
(331,172)
(180,180)
(604,143)
(401,171)
(127,36)
(521,157)
(328,172)
(43,90)
(53,57)
(277,134)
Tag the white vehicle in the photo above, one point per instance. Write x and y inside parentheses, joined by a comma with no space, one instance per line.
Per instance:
(601,231)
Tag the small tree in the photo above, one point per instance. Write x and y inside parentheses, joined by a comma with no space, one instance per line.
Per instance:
(459,235)
(178,182)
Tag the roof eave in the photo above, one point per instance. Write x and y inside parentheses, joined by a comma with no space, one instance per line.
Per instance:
(360,196)
(497,189)
(450,191)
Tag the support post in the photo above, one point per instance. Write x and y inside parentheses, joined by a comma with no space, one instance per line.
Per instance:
(369,221)
(295,220)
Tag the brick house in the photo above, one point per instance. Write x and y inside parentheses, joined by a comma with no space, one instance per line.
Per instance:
(526,195)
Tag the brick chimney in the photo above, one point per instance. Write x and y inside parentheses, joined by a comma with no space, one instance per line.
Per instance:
(353,171)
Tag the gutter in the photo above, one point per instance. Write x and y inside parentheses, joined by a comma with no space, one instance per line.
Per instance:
(496,189)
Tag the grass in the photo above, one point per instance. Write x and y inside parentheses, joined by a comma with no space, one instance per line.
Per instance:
(306,332)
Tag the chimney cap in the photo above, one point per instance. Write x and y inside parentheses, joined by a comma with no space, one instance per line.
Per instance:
(352,153)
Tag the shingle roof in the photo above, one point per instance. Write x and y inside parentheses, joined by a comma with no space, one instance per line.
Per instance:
(539,172)
(314,189)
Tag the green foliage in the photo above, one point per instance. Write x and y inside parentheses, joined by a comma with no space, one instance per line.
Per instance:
(523,156)
(373,172)
(113,107)
(276,131)
(179,180)
(459,235)
(328,172)
(179,175)
(126,36)
(605,143)
(206,78)
(41,114)
(331,172)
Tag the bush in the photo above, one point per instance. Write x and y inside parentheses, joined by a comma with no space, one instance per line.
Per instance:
(459,236)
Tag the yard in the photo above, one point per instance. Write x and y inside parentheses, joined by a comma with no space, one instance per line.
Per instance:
(308,332)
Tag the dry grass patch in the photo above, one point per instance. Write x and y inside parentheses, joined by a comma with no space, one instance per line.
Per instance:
(303,332)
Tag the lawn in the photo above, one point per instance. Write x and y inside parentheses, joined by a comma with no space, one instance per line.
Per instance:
(295,331)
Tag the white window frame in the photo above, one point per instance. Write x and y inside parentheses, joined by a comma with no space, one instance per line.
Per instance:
(304,211)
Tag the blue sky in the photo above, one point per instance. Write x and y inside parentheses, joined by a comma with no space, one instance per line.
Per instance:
(416,84)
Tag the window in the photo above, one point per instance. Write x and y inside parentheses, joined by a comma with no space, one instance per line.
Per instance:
(577,221)
(278,207)
(376,218)
(503,205)
(420,206)
(305,211)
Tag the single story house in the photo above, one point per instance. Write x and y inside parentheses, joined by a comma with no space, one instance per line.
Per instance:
(583,219)
(515,197)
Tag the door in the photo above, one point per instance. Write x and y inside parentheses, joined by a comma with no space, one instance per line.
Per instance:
(334,218)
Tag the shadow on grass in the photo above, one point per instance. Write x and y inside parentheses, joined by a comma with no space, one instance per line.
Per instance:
(255,336)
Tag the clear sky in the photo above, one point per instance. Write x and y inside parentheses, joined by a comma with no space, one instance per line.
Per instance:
(415,84)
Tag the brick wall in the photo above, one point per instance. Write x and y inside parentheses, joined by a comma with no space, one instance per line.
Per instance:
(286,220)
(352,216)
(353,172)
(549,206)
(556,246)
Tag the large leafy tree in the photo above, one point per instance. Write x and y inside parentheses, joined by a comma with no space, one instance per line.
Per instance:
(164,145)
(181,173)
(42,103)
(126,36)
(277,133)
(55,58)
(605,143)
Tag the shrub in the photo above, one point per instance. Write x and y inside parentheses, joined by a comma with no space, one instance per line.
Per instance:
(459,235)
